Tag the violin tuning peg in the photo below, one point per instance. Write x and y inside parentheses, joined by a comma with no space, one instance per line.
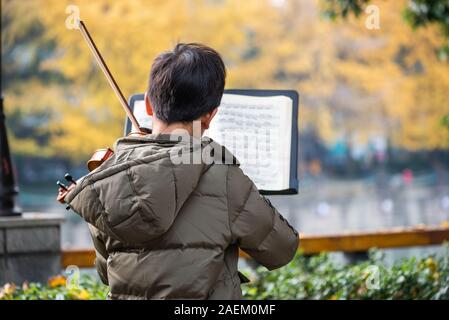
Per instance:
(69,178)
(61,185)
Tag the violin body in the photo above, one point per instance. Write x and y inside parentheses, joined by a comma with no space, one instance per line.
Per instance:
(99,156)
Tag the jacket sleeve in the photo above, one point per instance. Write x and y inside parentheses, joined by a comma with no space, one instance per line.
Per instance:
(256,226)
(101,255)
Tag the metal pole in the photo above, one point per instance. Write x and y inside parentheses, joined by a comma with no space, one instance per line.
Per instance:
(8,187)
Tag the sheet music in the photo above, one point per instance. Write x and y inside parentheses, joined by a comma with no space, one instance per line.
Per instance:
(257,130)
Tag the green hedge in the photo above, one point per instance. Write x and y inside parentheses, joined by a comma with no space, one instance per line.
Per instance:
(89,288)
(317,277)
(320,278)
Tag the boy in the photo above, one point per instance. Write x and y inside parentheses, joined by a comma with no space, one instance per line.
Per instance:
(165,229)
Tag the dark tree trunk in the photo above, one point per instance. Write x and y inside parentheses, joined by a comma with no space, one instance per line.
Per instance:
(8,188)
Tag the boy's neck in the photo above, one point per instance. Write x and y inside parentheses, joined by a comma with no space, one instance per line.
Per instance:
(161,127)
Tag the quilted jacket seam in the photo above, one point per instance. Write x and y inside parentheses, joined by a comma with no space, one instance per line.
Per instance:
(243,206)
(227,205)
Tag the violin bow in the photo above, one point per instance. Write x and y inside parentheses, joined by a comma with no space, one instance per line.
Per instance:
(93,48)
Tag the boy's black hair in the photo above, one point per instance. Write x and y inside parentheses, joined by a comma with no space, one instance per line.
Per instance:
(186,83)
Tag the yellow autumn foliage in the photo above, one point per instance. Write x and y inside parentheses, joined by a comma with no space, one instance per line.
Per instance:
(352,81)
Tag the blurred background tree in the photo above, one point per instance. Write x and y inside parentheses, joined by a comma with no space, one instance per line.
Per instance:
(421,13)
(418,13)
(446,121)
(355,84)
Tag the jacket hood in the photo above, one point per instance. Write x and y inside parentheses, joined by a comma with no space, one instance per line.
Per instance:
(137,193)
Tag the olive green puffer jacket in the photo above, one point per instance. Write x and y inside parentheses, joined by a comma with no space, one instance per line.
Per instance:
(172,231)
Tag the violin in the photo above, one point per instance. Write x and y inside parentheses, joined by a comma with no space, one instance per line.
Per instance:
(101,155)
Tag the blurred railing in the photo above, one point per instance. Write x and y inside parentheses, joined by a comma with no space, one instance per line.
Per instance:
(359,242)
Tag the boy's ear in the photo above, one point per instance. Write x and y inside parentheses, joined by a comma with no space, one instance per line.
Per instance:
(147,104)
(213,113)
(207,118)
